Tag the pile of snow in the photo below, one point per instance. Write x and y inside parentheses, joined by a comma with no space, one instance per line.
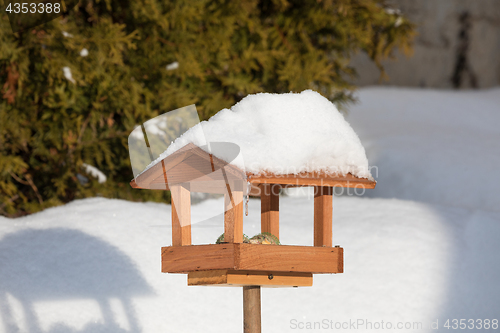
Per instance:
(67,74)
(284,133)
(172,66)
(432,146)
(94,172)
(84,52)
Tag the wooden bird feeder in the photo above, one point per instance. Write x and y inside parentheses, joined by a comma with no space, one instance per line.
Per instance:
(234,263)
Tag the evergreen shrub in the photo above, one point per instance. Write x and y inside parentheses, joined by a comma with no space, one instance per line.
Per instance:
(73,89)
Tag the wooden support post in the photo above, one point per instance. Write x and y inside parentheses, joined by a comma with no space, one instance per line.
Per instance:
(269,211)
(251,309)
(233,216)
(181,216)
(323,215)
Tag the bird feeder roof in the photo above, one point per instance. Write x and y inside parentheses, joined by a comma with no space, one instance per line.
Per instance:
(294,139)
(197,168)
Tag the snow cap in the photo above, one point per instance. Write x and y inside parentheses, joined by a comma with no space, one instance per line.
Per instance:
(284,134)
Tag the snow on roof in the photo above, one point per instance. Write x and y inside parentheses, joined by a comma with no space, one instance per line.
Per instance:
(283,134)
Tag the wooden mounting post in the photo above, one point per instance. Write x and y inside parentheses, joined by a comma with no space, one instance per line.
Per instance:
(323,215)
(251,309)
(269,211)
(233,216)
(181,216)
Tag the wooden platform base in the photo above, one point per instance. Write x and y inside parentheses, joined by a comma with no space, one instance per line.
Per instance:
(252,257)
(234,278)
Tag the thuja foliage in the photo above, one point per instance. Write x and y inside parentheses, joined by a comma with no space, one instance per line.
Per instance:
(73,89)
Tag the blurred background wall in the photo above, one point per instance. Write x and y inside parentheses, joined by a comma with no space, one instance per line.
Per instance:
(458,46)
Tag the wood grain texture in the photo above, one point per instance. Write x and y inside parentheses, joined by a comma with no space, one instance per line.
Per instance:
(250,278)
(205,278)
(269,207)
(340,263)
(145,178)
(323,216)
(233,217)
(252,257)
(192,164)
(183,259)
(312,179)
(188,164)
(181,216)
(287,258)
(251,309)
(238,216)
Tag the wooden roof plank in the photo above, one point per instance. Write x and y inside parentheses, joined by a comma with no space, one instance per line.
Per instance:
(191,164)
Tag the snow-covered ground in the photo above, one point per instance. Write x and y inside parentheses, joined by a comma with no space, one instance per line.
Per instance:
(280,134)
(94,265)
(432,146)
